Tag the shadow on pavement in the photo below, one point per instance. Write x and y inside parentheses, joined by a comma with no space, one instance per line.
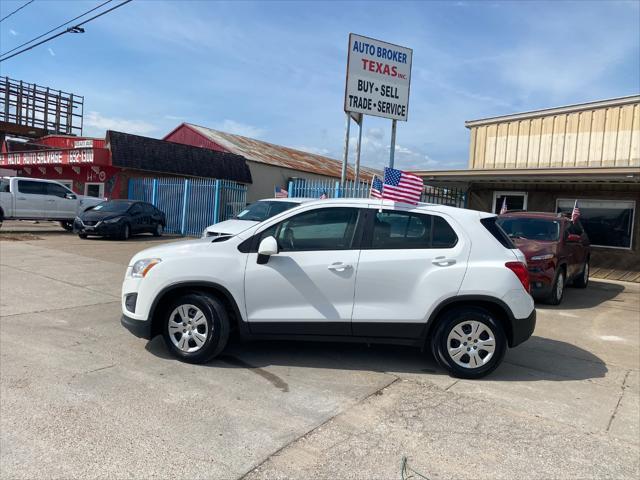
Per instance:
(538,362)
(595,294)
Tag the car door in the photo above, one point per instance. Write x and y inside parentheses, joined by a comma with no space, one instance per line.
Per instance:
(61,202)
(136,218)
(30,199)
(308,286)
(410,261)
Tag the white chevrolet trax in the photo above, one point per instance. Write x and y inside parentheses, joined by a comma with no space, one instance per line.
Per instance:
(345,269)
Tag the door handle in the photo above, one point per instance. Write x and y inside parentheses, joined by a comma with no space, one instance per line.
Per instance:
(339,267)
(443,261)
(50,201)
(21,198)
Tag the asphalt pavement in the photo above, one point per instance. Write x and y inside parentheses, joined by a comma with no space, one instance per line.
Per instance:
(80,397)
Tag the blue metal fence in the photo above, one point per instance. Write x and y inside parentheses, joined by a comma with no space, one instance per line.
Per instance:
(190,205)
(302,187)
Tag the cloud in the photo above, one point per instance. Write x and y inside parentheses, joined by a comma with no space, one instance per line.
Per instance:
(99,123)
(237,128)
(315,150)
(13,32)
(175,117)
(51,52)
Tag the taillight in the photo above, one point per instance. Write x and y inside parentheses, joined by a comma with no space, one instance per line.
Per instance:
(520,269)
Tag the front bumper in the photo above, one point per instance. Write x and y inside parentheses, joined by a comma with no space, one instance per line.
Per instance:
(101,229)
(522,329)
(541,277)
(140,328)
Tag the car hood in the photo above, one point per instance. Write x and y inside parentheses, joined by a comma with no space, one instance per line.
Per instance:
(97,215)
(531,248)
(231,227)
(176,249)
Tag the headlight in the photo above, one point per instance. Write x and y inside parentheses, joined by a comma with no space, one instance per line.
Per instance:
(548,256)
(204,233)
(142,267)
(113,220)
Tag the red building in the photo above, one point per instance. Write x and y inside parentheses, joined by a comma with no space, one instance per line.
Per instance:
(102,167)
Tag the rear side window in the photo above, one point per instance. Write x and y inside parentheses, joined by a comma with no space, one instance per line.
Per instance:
(494,229)
(4,186)
(32,188)
(407,230)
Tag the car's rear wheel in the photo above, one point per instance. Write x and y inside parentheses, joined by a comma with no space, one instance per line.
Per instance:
(583,279)
(68,226)
(125,233)
(157,232)
(557,289)
(196,327)
(469,342)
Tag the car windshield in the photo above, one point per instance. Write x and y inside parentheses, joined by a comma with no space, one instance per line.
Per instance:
(112,207)
(259,211)
(531,228)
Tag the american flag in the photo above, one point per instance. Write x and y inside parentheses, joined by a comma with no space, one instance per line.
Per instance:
(376,187)
(504,209)
(281,193)
(401,186)
(324,195)
(575,214)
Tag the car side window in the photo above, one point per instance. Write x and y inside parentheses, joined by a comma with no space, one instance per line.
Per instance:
(393,229)
(5,186)
(32,188)
(409,230)
(56,190)
(135,209)
(320,229)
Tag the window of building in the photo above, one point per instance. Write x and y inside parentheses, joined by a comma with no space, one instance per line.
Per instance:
(608,223)
(515,201)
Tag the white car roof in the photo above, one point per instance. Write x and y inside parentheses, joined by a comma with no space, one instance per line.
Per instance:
(287,199)
(389,204)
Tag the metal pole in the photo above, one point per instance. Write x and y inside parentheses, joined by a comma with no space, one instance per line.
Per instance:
(356,172)
(392,152)
(345,156)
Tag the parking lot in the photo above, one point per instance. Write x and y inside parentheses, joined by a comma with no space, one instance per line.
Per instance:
(81,397)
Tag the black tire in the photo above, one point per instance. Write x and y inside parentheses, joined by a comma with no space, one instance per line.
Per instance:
(125,233)
(217,327)
(462,318)
(68,226)
(82,235)
(557,289)
(158,230)
(583,279)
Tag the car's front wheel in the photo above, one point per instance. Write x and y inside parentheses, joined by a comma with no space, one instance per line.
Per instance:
(557,289)
(196,327)
(125,233)
(583,280)
(157,232)
(468,342)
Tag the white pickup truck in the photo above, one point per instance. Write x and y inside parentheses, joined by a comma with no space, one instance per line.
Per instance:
(34,199)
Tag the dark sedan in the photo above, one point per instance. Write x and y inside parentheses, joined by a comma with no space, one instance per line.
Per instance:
(120,219)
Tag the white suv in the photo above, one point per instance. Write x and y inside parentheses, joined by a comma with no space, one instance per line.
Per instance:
(343,269)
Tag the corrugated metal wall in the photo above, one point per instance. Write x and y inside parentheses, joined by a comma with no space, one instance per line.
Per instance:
(602,137)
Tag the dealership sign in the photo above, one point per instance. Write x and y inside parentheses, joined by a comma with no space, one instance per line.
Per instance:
(378,78)
(55,157)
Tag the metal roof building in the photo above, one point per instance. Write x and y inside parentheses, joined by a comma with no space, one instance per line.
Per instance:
(270,164)
(546,159)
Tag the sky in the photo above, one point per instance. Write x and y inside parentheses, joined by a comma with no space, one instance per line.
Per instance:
(276,70)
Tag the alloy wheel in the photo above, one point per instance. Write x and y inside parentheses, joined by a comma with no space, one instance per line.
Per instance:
(188,328)
(471,344)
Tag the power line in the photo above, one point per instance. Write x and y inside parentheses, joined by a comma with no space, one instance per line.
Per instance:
(54,29)
(16,10)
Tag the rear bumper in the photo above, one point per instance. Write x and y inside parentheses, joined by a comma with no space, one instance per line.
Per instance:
(140,328)
(522,329)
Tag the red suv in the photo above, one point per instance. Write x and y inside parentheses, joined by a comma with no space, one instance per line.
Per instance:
(557,251)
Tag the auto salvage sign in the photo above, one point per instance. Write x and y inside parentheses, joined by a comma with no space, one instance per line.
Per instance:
(378,78)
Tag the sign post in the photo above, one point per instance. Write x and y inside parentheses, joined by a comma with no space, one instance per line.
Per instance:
(378,82)
(345,155)
(356,171)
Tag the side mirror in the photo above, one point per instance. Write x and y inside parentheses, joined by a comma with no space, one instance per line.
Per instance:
(268,246)
(70,196)
(573,238)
